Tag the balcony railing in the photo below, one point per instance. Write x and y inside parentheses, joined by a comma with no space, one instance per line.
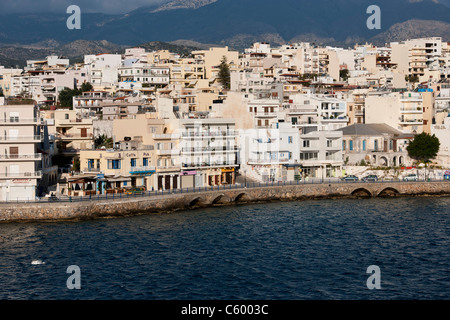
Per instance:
(18,121)
(209,133)
(268,161)
(210,149)
(22,138)
(209,164)
(74,136)
(21,175)
(36,156)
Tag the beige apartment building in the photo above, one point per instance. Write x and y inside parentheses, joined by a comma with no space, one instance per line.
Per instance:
(402,111)
(71,131)
(211,59)
(22,159)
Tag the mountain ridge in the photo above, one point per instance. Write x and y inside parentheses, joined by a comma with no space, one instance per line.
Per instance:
(238,24)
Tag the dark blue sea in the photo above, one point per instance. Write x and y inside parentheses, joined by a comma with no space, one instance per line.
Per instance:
(278,251)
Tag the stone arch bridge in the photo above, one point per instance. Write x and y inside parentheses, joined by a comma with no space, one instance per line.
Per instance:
(183,201)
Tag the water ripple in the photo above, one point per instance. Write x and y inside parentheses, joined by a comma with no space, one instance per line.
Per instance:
(291,251)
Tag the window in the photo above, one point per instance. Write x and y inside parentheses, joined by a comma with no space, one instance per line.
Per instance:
(376,145)
(351,145)
(133,162)
(344,146)
(14,117)
(306,143)
(90,163)
(114,164)
(329,143)
(364,145)
(145,162)
(290,139)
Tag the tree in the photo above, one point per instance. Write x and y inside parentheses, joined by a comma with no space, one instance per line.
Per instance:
(66,95)
(224,73)
(103,141)
(424,147)
(343,74)
(86,86)
(412,78)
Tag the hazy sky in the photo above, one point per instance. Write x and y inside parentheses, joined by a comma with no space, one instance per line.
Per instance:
(103,6)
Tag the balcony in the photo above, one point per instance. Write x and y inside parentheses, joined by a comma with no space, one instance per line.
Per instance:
(21,157)
(219,149)
(410,122)
(230,133)
(167,152)
(337,119)
(411,110)
(73,136)
(169,136)
(27,175)
(20,121)
(22,139)
(209,165)
(268,161)
(265,114)
(302,111)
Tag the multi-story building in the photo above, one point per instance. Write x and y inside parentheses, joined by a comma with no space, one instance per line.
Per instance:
(72,132)
(414,57)
(129,164)
(6,79)
(310,112)
(401,110)
(211,60)
(102,69)
(375,143)
(321,154)
(208,152)
(270,154)
(23,158)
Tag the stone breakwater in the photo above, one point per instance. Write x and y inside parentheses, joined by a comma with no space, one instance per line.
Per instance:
(54,211)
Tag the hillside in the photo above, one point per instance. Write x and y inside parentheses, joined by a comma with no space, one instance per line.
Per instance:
(12,55)
(238,23)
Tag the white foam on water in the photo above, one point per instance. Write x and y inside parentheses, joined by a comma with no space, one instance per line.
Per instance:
(37,262)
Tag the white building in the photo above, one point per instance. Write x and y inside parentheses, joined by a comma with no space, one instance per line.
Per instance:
(270,154)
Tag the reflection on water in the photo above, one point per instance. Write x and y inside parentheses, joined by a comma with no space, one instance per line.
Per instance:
(293,250)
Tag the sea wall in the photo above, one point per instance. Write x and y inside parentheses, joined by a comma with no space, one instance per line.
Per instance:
(55,211)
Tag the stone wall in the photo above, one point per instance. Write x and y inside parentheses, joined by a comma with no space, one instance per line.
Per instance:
(157,204)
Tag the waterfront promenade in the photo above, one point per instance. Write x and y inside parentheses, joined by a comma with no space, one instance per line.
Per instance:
(79,208)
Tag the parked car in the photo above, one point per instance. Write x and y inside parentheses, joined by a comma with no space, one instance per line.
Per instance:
(411,177)
(350,178)
(370,177)
(135,190)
